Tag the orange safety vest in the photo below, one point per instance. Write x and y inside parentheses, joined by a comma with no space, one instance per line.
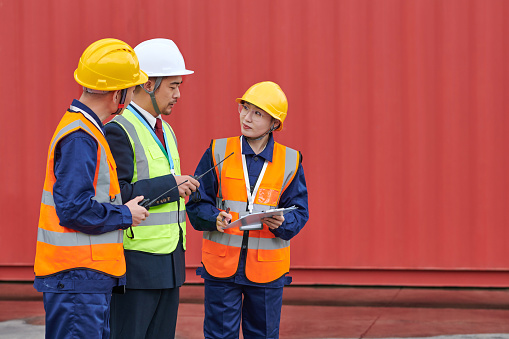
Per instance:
(60,248)
(268,257)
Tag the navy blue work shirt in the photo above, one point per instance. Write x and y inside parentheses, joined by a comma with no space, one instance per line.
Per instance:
(75,168)
(202,214)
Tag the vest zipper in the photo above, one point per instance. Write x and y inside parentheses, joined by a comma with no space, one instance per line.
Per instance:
(243,251)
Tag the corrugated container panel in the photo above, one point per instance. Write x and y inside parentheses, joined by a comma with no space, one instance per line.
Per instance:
(398,107)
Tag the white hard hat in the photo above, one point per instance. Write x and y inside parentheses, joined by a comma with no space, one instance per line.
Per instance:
(161,57)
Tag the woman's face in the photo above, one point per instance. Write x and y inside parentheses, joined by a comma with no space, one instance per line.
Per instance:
(253,120)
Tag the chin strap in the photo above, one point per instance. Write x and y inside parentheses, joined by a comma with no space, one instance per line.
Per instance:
(121,104)
(152,95)
(264,134)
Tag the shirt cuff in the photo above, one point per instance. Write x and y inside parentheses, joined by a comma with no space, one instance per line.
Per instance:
(127,218)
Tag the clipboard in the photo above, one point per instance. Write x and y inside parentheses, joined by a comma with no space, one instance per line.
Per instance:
(253,221)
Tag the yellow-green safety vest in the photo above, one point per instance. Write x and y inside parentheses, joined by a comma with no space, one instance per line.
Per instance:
(159,233)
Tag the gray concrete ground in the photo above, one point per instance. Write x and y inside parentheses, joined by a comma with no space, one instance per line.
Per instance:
(19,329)
(320,313)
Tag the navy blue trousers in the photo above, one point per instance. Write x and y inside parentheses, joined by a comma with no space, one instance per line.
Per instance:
(144,314)
(227,303)
(77,315)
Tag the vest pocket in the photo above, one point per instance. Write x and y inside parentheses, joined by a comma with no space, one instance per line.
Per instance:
(214,248)
(155,152)
(106,249)
(106,252)
(234,172)
(270,255)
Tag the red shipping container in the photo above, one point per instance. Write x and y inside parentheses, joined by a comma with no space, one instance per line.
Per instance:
(398,107)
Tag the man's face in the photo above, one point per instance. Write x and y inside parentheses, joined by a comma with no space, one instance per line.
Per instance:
(129,95)
(168,93)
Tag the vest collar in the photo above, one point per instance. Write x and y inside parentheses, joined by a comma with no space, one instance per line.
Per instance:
(77,106)
(148,117)
(266,154)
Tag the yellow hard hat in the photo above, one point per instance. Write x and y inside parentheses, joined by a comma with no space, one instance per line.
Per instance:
(109,65)
(270,97)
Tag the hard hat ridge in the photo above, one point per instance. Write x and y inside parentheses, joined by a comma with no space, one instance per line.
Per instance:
(109,65)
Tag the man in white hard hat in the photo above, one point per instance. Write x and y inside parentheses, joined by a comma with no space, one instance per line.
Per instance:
(145,150)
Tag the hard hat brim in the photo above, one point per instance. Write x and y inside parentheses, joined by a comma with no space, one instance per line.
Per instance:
(143,78)
(239,100)
(171,74)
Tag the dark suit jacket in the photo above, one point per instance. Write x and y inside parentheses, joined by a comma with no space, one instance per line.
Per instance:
(145,270)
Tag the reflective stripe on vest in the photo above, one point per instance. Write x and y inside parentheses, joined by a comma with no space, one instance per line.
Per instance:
(219,153)
(159,233)
(267,256)
(253,243)
(77,238)
(164,218)
(60,248)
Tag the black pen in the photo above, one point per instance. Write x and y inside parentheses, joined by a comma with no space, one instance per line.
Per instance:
(227,211)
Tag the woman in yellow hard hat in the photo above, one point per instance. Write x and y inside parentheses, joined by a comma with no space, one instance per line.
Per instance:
(79,258)
(245,268)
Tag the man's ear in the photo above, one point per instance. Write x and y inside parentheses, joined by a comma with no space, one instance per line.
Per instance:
(276,123)
(149,85)
(115,97)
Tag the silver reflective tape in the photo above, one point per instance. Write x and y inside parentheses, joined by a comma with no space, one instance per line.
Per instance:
(241,206)
(61,239)
(290,166)
(63,131)
(72,125)
(262,208)
(219,154)
(103,179)
(235,206)
(117,200)
(88,116)
(253,243)
(271,243)
(47,198)
(223,238)
(164,218)
(173,134)
(77,238)
(141,161)
(102,190)
(220,203)
(115,237)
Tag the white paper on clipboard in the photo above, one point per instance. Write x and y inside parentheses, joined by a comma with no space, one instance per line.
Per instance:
(253,221)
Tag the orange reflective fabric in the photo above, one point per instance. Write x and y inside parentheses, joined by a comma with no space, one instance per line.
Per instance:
(262,265)
(50,259)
